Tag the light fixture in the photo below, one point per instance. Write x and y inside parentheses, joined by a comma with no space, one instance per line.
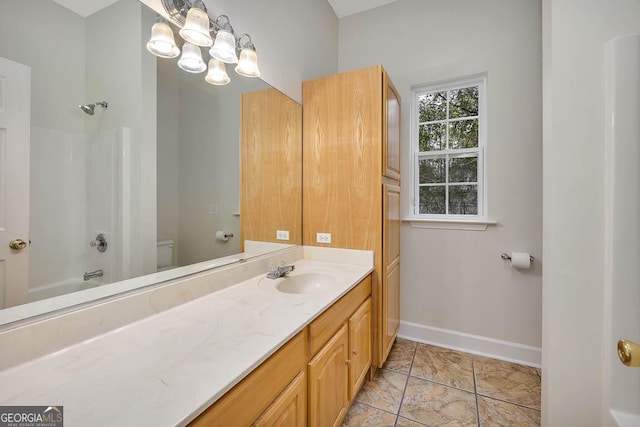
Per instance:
(196,29)
(248,63)
(196,26)
(191,59)
(162,43)
(224,48)
(217,74)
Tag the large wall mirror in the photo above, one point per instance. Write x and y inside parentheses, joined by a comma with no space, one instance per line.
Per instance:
(148,169)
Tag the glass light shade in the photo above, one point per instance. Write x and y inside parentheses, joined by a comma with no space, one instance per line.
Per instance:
(196,28)
(217,74)
(248,64)
(224,48)
(162,43)
(191,59)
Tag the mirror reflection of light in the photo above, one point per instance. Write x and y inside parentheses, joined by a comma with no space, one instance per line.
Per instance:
(217,74)
(191,59)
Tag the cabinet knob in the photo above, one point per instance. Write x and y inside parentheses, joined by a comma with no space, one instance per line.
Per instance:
(347,362)
(355,351)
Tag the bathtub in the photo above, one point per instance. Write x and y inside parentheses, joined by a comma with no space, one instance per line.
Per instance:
(61,288)
(622,247)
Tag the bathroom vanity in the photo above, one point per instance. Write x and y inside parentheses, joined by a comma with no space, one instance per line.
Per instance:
(327,361)
(251,337)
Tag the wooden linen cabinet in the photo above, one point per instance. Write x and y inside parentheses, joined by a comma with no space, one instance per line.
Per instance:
(351,181)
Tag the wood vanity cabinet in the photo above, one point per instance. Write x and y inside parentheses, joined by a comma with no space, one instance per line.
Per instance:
(312,379)
(339,368)
(351,181)
(289,409)
(359,347)
(329,382)
(272,392)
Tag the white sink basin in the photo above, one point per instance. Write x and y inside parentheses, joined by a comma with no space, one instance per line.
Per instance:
(305,283)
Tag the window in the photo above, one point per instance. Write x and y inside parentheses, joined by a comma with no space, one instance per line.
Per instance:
(448,143)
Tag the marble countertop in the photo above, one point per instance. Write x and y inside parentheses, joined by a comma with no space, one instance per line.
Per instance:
(168,368)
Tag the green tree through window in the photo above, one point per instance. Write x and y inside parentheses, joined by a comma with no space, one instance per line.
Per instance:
(448,149)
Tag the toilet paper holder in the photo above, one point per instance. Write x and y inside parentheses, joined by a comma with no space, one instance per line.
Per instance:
(505,256)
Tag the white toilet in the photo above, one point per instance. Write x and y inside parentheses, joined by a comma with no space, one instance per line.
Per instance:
(165,255)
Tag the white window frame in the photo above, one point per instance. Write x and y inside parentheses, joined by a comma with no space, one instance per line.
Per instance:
(479,80)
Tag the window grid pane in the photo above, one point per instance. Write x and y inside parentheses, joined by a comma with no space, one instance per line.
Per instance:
(432,200)
(462,199)
(462,134)
(464,102)
(438,194)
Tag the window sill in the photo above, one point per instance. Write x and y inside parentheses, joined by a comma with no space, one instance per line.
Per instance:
(479,224)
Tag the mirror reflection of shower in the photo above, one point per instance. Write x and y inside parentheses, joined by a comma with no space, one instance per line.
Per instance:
(90,109)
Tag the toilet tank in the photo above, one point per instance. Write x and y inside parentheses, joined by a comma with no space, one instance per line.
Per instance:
(165,254)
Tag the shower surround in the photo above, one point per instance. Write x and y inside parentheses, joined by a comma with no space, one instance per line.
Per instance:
(79,188)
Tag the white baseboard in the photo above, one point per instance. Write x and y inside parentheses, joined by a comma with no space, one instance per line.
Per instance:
(483,346)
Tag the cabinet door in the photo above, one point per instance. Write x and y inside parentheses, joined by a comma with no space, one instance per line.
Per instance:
(391,297)
(328,382)
(359,347)
(289,409)
(391,130)
(391,268)
(342,122)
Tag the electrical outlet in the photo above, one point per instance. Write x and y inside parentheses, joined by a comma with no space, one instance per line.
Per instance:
(323,237)
(213,210)
(282,234)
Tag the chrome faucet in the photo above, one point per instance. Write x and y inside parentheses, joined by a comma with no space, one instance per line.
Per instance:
(93,274)
(100,243)
(279,271)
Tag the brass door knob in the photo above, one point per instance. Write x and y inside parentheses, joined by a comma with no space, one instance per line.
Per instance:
(17,244)
(629,353)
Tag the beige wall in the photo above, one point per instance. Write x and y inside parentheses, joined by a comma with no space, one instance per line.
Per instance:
(453,279)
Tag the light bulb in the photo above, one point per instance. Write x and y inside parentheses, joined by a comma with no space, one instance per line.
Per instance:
(248,64)
(217,74)
(191,59)
(162,43)
(224,48)
(196,27)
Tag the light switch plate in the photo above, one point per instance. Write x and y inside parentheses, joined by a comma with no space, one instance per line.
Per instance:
(282,234)
(323,237)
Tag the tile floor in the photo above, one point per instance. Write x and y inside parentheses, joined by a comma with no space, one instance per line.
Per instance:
(422,385)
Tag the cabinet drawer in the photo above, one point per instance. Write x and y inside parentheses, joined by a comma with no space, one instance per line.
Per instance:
(242,405)
(323,328)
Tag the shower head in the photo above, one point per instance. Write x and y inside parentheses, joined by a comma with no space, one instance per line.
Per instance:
(90,108)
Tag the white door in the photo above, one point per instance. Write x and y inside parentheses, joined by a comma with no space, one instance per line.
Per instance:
(15,111)
(622,290)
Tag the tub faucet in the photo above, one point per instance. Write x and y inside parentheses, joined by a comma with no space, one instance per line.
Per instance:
(93,274)
(279,271)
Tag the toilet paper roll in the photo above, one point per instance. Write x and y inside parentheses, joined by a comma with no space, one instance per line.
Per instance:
(521,260)
(223,235)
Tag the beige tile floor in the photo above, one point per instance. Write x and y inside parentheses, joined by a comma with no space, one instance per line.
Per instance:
(422,385)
